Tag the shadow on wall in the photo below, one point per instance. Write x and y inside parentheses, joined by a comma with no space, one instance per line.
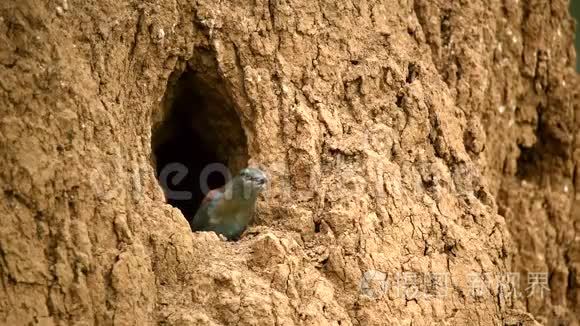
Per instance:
(575,11)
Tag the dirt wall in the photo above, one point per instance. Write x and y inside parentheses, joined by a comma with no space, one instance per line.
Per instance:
(415,150)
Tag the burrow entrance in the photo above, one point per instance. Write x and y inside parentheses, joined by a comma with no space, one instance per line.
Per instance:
(198,125)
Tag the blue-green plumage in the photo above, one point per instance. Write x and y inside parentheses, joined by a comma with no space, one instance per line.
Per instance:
(229,210)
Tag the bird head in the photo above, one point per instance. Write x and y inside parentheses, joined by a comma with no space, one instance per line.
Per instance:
(253,179)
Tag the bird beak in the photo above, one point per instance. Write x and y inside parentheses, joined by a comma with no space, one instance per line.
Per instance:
(261,181)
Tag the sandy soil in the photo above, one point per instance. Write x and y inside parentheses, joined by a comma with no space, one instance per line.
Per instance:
(419,153)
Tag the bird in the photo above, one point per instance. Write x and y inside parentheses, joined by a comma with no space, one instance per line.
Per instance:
(228,210)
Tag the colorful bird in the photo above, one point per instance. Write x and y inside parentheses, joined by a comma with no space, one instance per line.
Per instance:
(228,210)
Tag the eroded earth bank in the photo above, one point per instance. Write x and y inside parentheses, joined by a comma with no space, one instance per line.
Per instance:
(419,153)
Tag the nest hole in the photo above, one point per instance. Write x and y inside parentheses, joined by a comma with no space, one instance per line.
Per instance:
(197,126)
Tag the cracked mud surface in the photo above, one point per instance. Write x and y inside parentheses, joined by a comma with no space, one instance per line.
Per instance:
(407,138)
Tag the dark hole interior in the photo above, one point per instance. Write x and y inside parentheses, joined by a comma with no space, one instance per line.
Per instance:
(199,127)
